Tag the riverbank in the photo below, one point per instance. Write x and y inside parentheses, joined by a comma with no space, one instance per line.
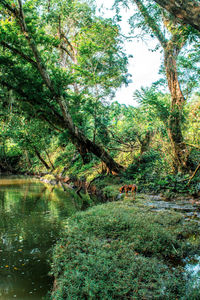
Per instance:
(130,248)
(125,249)
(107,187)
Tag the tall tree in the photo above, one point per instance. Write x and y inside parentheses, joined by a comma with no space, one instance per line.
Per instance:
(156,22)
(32,67)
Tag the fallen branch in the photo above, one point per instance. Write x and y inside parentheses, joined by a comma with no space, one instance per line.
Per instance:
(193,174)
(194,146)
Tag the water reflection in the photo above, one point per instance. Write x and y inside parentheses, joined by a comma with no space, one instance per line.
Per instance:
(31,215)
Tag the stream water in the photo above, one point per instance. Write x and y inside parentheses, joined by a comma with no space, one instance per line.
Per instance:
(190,209)
(31,215)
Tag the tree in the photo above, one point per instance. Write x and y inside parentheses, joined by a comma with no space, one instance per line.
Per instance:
(155,22)
(186,11)
(32,66)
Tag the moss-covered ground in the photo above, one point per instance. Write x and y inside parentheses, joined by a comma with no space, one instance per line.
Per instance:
(123,250)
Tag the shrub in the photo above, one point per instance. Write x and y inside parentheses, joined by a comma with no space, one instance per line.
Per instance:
(117,251)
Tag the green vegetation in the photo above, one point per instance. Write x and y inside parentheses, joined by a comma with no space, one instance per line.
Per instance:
(117,250)
(55,87)
(60,67)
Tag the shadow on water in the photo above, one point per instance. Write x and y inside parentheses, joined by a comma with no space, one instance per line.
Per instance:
(31,215)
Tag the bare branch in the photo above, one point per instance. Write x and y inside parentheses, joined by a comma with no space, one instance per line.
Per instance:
(194,146)
(123,150)
(67,51)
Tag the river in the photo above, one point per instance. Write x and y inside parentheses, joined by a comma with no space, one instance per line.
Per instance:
(31,215)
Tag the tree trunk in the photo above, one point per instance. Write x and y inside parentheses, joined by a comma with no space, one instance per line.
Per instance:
(81,142)
(145,142)
(171,49)
(28,159)
(85,145)
(49,160)
(186,11)
(41,159)
(179,148)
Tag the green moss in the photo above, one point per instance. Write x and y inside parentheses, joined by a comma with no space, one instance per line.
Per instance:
(49,177)
(119,251)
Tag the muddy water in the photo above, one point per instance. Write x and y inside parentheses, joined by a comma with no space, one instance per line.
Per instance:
(31,215)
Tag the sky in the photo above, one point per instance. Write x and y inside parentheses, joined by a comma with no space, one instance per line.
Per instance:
(144,65)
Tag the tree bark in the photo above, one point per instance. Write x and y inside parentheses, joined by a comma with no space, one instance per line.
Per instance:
(186,11)
(179,148)
(85,145)
(145,142)
(28,160)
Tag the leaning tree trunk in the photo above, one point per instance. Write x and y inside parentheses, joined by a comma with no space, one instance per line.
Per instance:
(47,154)
(85,145)
(81,142)
(41,159)
(179,148)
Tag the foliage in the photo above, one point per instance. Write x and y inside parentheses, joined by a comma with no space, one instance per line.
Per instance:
(158,104)
(115,251)
(62,72)
(111,191)
(172,38)
(106,253)
(85,60)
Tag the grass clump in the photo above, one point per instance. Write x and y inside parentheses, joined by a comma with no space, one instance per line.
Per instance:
(118,251)
(111,191)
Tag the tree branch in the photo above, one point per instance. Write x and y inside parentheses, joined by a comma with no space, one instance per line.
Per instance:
(185,11)
(9,7)
(40,65)
(123,150)
(194,146)
(66,50)
(62,36)
(16,51)
(193,174)
(151,22)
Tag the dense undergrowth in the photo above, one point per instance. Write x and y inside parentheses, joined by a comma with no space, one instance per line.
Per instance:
(136,140)
(121,250)
(149,172)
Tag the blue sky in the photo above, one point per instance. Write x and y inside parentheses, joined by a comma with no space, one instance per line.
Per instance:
(144,65)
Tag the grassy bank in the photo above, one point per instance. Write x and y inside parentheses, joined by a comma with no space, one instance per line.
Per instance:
(122,250)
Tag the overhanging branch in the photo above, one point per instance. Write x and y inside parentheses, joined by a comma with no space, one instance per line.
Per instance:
(18,52)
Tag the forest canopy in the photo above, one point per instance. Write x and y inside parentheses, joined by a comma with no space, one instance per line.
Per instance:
(60,66)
